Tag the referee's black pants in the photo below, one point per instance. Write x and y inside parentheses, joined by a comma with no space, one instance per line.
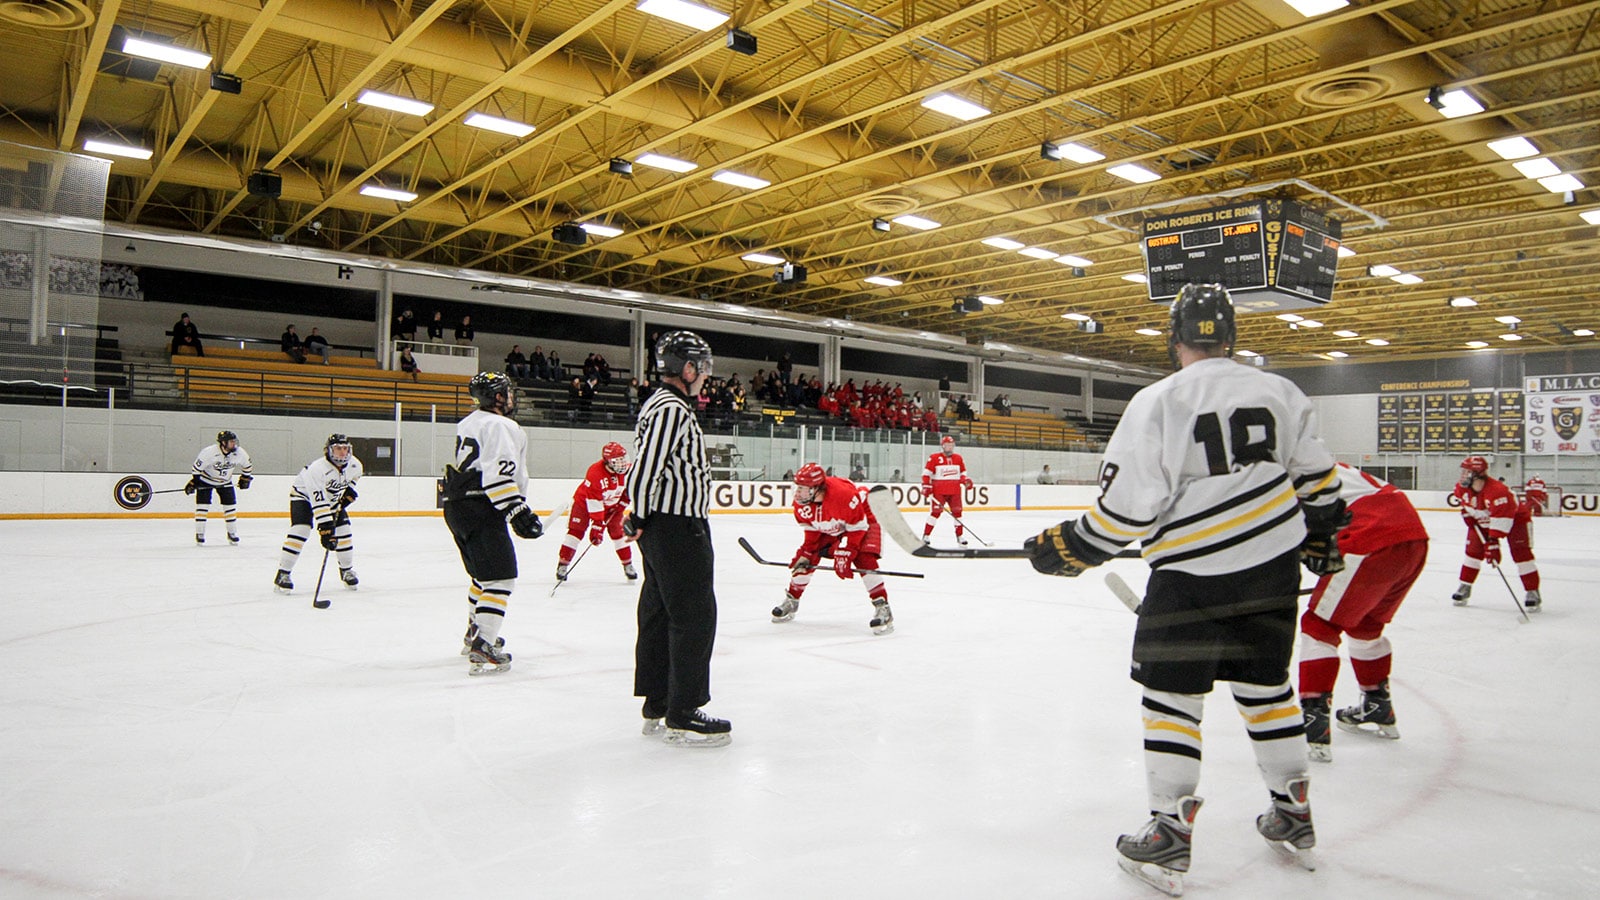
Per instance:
(677,614)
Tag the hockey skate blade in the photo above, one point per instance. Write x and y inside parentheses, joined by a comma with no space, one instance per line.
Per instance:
(1322,753)
(1167,881)
(1305,859)
(680,738)
(477,669)
(1387,732)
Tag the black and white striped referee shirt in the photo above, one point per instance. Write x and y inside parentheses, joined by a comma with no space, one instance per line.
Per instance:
(671,473)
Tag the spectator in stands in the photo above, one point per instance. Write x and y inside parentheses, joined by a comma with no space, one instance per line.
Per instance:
(858,474)
(464,332)
(574,399)
(185,334)
(290,344)
(436,328)
(944,393)
(651,347)
(537,366)
(516,363)
(556,372)
(645,390)
(1045,477)
(1002,404)
(316,343)
(785,369)
(408,363)
(964,409)
(895,479)
(633,396)
(405,327)
(788,476)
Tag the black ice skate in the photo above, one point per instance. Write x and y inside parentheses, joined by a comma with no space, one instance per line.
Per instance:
(1158,854)
(1287,825)
(472,633)
(1533,602)
(199,539)
(882,618)
(348,576)
(484,659)
(281,582)
(1319,731)
(1461,595)
(1375,715)
(785,611)
(653,714)
(961,539)
(561,571)
(233,539)
(696,729)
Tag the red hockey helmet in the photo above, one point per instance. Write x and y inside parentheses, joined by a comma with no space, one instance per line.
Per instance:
(615,456)
(1477,465)
(947,439)
(808,481)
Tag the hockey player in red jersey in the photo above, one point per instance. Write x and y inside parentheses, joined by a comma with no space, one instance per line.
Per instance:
(599,506)
(1491,512)
(833,513)
(1384,546)
(942,480)
(1535,495)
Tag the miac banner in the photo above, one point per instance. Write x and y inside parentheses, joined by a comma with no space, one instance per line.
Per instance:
(1562,414)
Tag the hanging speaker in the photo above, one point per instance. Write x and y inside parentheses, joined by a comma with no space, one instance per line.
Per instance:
(264,184)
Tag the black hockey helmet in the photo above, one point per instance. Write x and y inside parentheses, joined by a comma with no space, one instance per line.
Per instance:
(679,347)
(337,440)
(225,436)
(488,387)
(1202,316)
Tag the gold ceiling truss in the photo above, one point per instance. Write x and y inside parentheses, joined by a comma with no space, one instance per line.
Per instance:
(1215,95)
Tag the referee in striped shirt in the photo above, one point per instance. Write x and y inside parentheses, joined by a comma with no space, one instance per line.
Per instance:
(670,484)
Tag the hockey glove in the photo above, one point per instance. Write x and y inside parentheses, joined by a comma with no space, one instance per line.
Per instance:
(194,483)
(596,535)
(841,564)
(1320,551)
(1491,553)
(801,564)
(244,482)
(524,522)
(325,533)
(349,496)
(1058,551)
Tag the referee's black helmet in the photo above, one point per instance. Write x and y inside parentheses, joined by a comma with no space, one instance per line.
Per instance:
(679,347)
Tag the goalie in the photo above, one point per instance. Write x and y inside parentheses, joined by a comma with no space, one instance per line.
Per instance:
(837,522)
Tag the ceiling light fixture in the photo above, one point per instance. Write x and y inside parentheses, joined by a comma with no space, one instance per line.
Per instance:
(1513,148)
(1005,243)
(605,231)
(1583,332)
(1477,345)
(1309,323)
(691,14)
(916,222)
(657,161)
(1148,332)
(1133,173)
(1453,104)
(167,53)
(1072,152)
(748,182)
(1290,317)
(499,125)
(113,149)
(954,106)
(1592,216)
(1336,354)
(1347,333)
(1136,278)
(1038,253)
(1561,184)
(383,193)
(1069,260)
(1538,167)
(764,259)
(1076,317)
(1382,271)
(1507,320)
(1406,278)
(989,301)
(1462,302)
(394,104)
(1378,342)
(883,281)
(1511,336)
(1313,8)
(1345,251)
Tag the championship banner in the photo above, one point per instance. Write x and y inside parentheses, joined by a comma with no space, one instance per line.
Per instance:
(1562,414)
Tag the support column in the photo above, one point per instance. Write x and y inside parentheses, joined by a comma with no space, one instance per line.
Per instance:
(380,347)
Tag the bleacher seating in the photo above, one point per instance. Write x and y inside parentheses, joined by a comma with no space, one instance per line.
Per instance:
(1021,427)
(269,379)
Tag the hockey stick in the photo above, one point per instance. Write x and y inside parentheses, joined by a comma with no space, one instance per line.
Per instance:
(968,529)
(316,596)
(888,514)
(1503,579)
(772,562)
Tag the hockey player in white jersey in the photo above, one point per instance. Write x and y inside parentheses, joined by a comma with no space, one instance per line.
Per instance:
(321,494)
(1218,470)
(215,468)
(485,490)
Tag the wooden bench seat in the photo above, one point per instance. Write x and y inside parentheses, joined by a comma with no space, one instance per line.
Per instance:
(226,352)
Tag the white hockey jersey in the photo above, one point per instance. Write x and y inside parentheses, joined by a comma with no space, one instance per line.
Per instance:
(213,468)
(491,455)
(322,484)
(1209,467)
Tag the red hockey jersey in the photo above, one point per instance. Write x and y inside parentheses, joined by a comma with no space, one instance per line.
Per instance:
(1380,515)
(945,474)
(601,493)
(1494,508)
(842,519)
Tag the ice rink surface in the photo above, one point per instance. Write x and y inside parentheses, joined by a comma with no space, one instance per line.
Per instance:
(174,729)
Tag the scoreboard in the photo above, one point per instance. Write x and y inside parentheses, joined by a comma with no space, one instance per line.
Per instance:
(1270,254)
